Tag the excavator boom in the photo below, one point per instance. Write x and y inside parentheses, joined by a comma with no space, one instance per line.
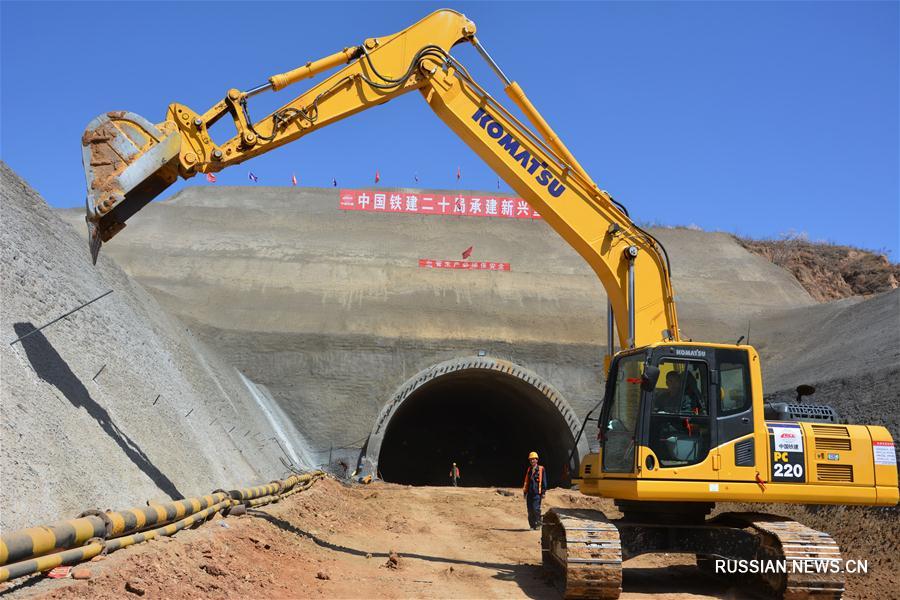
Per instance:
(129,161)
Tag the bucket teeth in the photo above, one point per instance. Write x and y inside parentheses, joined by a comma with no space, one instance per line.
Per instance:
(94,242)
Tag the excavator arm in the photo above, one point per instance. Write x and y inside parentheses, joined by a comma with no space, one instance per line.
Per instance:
(129,161)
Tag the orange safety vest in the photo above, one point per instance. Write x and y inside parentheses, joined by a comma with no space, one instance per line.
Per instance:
(528,478)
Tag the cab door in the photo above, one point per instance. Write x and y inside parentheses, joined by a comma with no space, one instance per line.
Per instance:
(619,420)
(734,427)
(678,431)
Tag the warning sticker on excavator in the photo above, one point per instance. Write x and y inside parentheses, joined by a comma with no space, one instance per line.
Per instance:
(884,453)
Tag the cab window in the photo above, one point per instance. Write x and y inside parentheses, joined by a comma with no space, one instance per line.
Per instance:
(734,380)
(621,421)
(679,415)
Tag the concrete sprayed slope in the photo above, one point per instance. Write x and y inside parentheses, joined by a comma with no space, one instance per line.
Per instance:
(287,260)
(70,442)
(330,310)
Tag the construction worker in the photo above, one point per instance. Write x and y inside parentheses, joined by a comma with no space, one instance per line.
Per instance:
(534,489)
(454,475)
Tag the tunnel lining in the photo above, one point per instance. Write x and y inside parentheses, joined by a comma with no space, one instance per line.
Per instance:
(456,368)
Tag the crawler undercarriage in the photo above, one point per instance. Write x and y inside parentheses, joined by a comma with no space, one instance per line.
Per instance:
(585,550)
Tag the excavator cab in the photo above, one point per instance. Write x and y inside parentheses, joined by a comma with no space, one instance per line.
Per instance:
(670,409)
(686,422)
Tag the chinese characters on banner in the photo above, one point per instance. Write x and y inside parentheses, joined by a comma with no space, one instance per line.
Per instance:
(436,204)
(429,263)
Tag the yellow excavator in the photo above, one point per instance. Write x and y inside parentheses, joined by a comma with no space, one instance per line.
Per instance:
(683,424)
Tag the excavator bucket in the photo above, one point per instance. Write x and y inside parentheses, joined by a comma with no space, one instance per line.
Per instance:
(128,162)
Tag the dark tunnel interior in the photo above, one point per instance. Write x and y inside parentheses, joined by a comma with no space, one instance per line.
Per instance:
(485,421)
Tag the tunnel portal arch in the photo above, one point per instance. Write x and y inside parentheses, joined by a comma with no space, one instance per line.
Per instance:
(484,413)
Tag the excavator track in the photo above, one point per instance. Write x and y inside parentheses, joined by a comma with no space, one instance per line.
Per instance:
(582,548)
(795,543)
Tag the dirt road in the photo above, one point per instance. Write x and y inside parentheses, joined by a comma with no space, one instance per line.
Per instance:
(334,541)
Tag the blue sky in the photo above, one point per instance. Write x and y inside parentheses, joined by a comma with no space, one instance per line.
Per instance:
(758,118)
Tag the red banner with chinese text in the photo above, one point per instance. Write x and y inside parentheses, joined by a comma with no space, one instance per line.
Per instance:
(460,205)
(431,263)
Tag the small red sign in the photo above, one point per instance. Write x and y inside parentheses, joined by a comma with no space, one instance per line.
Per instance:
(59,572)
(431,263)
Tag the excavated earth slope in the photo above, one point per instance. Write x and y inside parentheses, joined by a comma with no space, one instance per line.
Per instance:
(117,404)
(848,349)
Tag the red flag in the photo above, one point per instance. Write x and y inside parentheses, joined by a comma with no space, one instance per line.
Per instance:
(377,176)
(294,178)
(467,252)
(458,173)
(211,177)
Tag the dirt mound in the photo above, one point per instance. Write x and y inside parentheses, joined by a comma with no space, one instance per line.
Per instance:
(828,271)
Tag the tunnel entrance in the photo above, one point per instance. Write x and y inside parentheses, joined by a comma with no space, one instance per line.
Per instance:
(486,417)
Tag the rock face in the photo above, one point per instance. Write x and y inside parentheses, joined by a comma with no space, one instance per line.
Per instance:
(331,312)
(117,404)
(827,271)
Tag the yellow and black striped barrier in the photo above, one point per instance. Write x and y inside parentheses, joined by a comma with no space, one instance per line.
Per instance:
(38,549)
